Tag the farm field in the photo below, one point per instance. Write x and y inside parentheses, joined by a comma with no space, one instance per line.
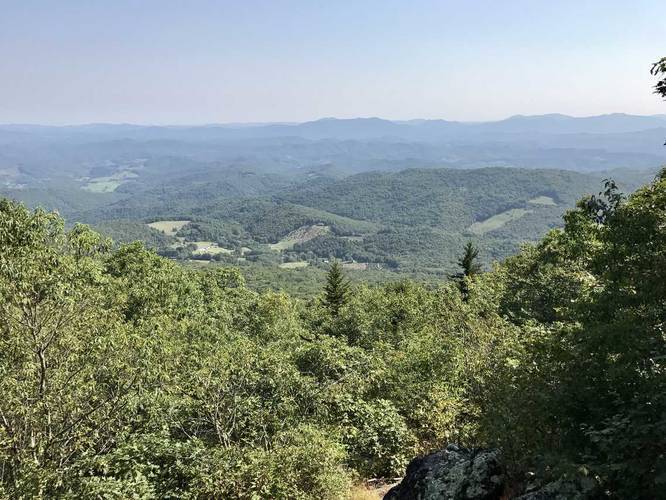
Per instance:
(208,247)
(543,200)
(300,235)
(497,221)
(294,265)
(102,185)
(110,183)
(169,227)
(357,266)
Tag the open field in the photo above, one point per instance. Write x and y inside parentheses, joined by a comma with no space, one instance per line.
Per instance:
(110,183)
(300,235)
(357,266)
(102,185)
(209,247)
(294,265)
(497,221)
(543,200)
(169,227)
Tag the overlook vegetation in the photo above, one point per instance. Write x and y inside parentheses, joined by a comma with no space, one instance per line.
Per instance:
(124,374)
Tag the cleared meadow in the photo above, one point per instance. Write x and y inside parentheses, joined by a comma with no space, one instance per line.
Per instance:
(497,221)
(294,265)
(543,200)
(209,247)
(169,227)
(300,235)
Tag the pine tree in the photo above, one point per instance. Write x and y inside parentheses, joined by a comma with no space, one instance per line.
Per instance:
(470,267)
(336,289)
(468,262)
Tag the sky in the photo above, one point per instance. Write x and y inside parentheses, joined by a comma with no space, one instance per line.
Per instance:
(205,61)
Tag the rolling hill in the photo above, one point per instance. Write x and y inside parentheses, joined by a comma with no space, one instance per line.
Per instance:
(414,220)
(402,196)
(106,157)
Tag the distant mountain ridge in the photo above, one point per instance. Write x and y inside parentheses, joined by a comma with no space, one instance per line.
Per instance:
(358,128)
(125,156)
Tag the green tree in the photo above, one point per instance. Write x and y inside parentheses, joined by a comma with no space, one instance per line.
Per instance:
(68,365)
(658,69)
(469,261)
(336,289)
(586,383)
(470,266)
(603,205)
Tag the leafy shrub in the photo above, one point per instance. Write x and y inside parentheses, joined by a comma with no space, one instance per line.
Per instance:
(378,440)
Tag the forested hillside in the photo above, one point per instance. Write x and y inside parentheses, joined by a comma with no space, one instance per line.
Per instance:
(283,231)
(123,374)
(413,221)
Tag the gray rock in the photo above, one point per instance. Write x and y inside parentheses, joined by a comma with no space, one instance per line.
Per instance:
(452,474)
(582,488)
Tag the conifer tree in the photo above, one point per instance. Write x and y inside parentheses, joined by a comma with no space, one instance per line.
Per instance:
(470,266)
(336,289)
(469,263)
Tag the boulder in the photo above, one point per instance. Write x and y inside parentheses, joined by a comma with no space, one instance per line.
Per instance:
(580,488)
(452,474)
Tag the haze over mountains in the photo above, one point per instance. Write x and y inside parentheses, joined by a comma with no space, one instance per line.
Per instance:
(360,128)
(403,195)
(31,154)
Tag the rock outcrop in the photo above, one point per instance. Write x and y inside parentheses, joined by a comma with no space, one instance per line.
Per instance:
(452,474)
(581,488)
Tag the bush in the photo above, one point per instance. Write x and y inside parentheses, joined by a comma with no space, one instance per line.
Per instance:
(378,440)
(302,464)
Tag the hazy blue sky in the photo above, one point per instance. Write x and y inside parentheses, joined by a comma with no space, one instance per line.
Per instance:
(200,61)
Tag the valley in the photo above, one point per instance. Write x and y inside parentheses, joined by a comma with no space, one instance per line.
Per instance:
(370,193)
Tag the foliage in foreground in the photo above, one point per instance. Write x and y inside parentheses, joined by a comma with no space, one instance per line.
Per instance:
(124,374)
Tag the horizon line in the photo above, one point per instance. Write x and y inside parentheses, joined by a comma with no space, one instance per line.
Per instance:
(250,124)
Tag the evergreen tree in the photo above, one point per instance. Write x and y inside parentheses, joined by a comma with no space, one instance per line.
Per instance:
(468,262)
(336,289)
(470,267)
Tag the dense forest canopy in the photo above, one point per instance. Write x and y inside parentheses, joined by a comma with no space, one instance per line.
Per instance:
(124,374)
(283,231)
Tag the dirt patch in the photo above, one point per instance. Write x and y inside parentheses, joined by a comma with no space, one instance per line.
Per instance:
(371,490)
